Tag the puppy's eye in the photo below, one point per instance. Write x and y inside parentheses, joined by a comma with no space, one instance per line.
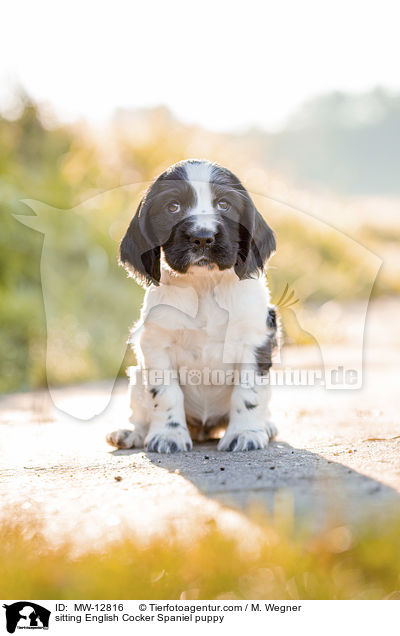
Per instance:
(174,207)
(222,205)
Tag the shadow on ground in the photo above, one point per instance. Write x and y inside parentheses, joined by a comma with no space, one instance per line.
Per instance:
(309,483)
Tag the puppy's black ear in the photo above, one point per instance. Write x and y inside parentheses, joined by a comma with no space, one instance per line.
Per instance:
(263,244)
(137,252)
(256,241)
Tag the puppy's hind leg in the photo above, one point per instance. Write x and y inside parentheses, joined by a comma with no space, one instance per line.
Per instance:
(139,420)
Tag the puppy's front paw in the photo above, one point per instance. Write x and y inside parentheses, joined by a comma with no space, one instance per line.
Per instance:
(125,438)
(244,440)
(169,439)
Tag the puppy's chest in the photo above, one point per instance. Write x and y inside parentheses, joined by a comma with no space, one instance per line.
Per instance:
(201,342)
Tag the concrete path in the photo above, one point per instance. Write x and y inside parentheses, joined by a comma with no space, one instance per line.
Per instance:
(338,452)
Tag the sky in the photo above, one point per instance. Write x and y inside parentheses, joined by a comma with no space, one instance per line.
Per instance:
(222,65)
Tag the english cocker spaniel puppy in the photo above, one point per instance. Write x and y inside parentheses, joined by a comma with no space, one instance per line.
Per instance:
(207,331)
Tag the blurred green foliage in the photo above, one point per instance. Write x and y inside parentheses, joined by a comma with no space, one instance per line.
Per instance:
(58,166)
(68,168)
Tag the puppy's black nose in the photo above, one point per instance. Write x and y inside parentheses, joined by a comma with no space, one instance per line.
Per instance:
(202,238)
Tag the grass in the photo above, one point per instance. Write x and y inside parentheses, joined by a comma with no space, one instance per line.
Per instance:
(338,562)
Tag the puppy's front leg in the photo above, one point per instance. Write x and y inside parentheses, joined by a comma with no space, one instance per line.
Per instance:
(249,426)
(168,432)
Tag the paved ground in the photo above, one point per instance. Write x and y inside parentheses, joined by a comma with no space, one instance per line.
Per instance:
(337,450)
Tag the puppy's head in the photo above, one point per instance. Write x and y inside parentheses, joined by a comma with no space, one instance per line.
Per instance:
(199,215)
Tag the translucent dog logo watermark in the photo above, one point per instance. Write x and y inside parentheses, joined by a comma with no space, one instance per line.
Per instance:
(90,303)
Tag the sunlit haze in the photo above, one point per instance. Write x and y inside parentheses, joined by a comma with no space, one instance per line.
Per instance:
(223,65)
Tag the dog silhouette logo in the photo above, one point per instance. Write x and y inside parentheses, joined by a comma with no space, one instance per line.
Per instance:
(26,615)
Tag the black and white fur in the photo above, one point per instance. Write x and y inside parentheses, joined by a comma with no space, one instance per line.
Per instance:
(199,244)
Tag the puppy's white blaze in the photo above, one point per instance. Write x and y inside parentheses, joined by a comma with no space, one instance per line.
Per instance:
(199,177)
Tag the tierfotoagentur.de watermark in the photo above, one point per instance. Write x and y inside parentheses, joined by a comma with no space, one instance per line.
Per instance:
(339,377)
